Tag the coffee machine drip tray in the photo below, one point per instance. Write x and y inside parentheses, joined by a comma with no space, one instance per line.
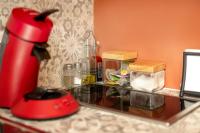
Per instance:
(159,108)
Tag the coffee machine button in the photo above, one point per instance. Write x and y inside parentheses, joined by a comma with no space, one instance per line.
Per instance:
(57,106)
(66,102)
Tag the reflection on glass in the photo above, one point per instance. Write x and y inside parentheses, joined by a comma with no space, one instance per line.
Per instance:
(146,101)
(186,103)
(148,105)
(5,128)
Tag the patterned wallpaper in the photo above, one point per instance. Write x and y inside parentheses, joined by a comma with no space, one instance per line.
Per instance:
(71,24)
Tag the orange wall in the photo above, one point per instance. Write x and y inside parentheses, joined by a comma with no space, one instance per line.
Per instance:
(156,29)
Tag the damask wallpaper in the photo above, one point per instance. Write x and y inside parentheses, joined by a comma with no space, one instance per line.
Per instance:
(73,21)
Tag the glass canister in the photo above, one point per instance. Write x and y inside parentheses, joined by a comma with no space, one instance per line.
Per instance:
(115,66)
(77,74)
(68,76)
(146,75)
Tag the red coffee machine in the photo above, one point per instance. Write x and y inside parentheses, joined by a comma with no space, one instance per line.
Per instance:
(22,49)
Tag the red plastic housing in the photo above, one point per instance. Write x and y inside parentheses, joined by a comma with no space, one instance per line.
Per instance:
(46,109)
(19,68)
(21,23)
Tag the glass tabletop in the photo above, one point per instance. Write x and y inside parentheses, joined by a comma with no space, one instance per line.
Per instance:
(161,108)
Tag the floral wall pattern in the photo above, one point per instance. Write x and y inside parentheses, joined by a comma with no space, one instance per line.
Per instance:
(71,23)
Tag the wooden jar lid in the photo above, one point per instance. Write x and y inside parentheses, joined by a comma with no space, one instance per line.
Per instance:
(119,55)
(147,66)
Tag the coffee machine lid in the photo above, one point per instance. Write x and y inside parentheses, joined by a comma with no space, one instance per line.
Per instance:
(23,24)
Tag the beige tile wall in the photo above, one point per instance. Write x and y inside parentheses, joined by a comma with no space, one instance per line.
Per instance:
(71,23)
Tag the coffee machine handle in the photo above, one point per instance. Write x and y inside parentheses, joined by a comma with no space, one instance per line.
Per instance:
(43,15)
(40,52)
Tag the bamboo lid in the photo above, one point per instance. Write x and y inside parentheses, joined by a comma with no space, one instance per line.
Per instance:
(147,66)
(119,55)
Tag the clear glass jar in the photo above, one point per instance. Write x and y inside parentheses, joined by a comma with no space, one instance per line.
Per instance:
(148,76)
(77,74)
(115,67)
(148,82)
(68,76)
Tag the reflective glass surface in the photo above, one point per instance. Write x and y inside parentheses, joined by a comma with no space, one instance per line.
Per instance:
(118,99)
